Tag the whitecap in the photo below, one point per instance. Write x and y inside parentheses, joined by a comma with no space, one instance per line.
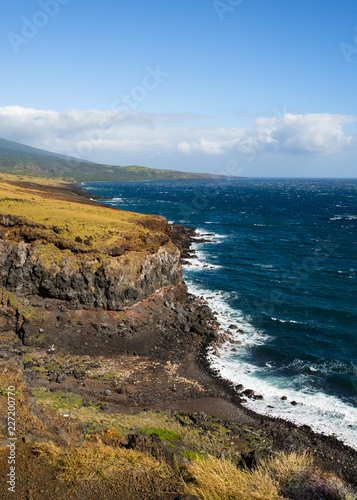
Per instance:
(324,413)
(287,321)
(208,237)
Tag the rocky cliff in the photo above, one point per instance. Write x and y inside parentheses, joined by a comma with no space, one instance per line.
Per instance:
(95,321)
(53,245)
(86,280)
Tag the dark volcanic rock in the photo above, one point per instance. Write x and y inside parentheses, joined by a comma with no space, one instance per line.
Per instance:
(27,269)
(151,445)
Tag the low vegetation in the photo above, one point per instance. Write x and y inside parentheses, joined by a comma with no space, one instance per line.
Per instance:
(18,159)
(38,215)
(74,238)
(209,478)
(178,429)
(207,463)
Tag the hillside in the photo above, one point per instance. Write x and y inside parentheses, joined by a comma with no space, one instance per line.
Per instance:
(20,159)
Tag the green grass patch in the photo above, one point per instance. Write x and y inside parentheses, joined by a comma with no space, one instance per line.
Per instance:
(57,400)
(5,392)
(192,455)
(163,434)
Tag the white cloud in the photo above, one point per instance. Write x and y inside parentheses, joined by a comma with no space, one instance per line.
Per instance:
(314,133)
(103,135)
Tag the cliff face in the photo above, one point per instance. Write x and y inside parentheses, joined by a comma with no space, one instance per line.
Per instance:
(56,244)
(89,280)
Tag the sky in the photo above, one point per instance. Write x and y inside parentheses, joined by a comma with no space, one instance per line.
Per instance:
(258,88)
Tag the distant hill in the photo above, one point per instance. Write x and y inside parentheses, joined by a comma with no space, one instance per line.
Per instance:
(20,159)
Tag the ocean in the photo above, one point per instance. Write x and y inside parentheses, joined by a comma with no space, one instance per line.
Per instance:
(280,264)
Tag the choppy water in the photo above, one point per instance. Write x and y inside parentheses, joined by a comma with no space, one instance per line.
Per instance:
(281,263)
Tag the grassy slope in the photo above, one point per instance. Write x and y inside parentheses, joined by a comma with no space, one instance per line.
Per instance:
(206,461)
(23,160)
(68,230)
(102,225)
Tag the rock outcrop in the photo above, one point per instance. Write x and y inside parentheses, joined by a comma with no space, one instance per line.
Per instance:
(87,280)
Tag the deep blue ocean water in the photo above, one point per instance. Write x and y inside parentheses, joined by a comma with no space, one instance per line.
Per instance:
(281,263)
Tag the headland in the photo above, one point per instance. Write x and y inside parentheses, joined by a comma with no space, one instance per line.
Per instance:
(105,350)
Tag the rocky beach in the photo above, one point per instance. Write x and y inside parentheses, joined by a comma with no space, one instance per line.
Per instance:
(98,310)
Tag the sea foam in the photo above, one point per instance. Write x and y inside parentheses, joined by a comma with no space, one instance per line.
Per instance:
(324,413)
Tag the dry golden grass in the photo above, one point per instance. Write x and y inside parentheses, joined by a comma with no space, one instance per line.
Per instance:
(298,476)
(92,227)
(95,461)
(217,479)
(284,474)
(287,469)
(208,478)
(32,178)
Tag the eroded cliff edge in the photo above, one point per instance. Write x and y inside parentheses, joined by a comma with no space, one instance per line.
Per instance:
(92,303)
(52,249)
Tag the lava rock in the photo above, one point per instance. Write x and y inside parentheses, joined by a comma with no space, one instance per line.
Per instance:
(248,392)
(60,378)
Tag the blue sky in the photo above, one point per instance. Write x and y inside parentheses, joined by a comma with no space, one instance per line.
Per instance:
(253,88)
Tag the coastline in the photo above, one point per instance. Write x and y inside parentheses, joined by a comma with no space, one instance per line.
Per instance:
(279,428)
(155,351)
(237,394)
(234,334)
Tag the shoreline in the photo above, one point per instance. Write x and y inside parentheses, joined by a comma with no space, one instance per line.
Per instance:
(193,237)
(227,336)
(236,396)
(155,352)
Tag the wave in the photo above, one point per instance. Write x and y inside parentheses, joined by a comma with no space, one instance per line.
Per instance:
(264,266)
(114,200)
(199,265)
(287,321)
(227,316)
(344,217)
(199,261)
(201,233)
(324,413)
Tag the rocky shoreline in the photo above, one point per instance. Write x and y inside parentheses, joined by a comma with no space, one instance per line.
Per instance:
(330,452)
(145,350)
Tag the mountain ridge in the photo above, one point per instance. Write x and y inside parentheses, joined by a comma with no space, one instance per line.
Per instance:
(20,159)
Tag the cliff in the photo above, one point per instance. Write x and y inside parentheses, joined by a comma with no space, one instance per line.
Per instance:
(86,280)
(96,323)
(89,255)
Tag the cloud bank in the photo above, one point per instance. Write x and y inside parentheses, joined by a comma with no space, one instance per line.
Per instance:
(109,136)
